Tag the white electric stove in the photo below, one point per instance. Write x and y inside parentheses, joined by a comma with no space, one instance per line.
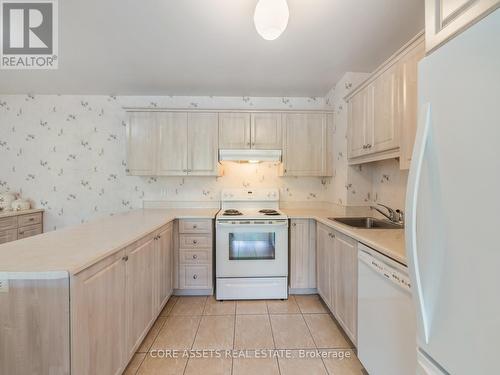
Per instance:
(251,246)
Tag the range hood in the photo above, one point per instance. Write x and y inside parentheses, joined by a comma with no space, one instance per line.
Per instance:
(250,155)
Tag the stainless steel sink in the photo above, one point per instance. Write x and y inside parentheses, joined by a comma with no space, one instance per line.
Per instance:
(366,222)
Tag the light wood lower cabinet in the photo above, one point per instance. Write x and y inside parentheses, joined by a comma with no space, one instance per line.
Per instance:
(302,254)
(337,268)
(98,318)
(324,255)
(165,261)
(20,225)
(345,284)
(194,257)
(140,284)
(115,302)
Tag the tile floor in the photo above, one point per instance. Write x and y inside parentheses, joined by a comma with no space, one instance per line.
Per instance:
(296,336)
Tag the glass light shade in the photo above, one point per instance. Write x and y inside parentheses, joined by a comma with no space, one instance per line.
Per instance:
(271,18)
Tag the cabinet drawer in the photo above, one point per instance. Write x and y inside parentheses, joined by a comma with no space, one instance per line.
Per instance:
(195,226)
(8,223)
(195,256)
(31,219)
(8,235)
(195,242)
(32,230)
(197,276)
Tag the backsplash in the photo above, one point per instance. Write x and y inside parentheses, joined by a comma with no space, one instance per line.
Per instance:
(389,183)
(67,154)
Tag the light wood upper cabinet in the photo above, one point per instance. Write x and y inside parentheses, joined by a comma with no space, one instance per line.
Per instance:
(382,109)
(234,131)
(140,287)
(173,143)
(266,131)
(306,146)
(172,155)
(360,122)
(141,144)
(203,141)
(302,254)
(444,19)
(98,332)
(385,112)
(409,102)
(345,284)
(260,131)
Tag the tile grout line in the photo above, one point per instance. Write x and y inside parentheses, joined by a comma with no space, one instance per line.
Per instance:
(195,335)
(314,341)
(274,341)
(165,322)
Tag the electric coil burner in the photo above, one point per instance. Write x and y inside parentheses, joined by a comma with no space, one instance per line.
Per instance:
(231,212)
(269,212)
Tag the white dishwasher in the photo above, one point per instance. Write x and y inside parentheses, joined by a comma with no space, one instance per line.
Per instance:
(387,343)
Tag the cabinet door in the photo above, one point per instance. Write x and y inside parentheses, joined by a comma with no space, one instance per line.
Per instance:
(203,143)
(164,264)
(140,285)
(323,250)
(141,144)
(173,143)
(385,112)
(302,254)
(345,284)
(266,131)
(98,331)
(305,146)
(444,19)
(408,102)
(234,131)
(358,123)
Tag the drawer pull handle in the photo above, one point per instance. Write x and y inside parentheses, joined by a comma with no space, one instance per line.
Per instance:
(125,258)
(31,219)
(195,242)
(21,232)
(195,226)
(195,256)
(195,277)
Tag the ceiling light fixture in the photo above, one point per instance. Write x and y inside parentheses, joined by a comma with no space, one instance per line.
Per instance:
(271,18)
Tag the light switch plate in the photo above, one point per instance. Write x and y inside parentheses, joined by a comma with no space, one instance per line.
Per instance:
(4,286)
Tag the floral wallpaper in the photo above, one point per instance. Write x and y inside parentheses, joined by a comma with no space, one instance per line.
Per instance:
(381,182)
(67,154)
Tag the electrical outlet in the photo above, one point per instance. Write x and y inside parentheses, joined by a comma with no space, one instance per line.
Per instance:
(4,286)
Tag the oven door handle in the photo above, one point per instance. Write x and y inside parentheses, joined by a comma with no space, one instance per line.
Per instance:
(253,224)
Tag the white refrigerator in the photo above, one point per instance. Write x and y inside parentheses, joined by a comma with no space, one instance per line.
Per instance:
(453,205)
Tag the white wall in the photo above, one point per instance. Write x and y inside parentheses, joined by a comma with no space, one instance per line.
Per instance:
(67,154)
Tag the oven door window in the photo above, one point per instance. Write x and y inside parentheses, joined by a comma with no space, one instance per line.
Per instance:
(252,246)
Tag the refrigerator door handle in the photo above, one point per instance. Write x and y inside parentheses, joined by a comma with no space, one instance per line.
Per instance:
(411,214)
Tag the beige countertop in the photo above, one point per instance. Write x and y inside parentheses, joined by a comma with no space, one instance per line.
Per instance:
(75,248)
(20,212)
(390,242)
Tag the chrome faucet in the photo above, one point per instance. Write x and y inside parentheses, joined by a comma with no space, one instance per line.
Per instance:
(396,216)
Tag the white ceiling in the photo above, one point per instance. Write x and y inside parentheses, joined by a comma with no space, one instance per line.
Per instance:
(210,47)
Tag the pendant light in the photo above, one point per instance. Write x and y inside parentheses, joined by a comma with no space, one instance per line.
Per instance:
(271,18)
